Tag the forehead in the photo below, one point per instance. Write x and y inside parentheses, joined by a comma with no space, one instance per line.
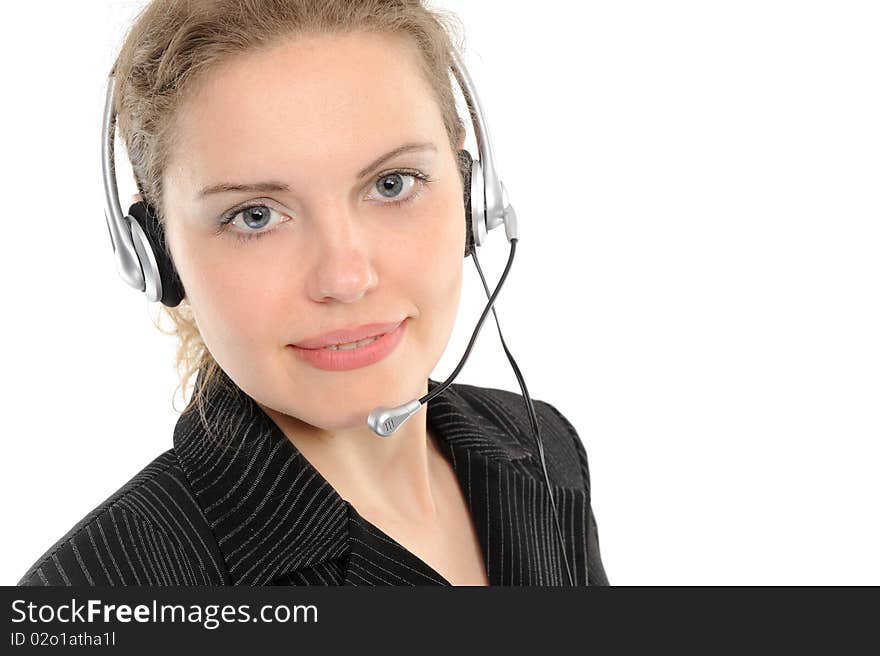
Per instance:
(334,94)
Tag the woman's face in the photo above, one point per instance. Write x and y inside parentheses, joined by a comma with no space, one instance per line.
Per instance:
(331,244)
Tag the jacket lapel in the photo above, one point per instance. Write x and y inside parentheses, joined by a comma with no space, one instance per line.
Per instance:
(274,514)
(503,482)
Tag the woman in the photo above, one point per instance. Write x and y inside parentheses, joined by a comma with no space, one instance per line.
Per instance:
(304,161)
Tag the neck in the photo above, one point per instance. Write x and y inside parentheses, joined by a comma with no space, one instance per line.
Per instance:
(390,476)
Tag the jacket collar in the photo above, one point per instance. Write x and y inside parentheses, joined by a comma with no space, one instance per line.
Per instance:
(273,513)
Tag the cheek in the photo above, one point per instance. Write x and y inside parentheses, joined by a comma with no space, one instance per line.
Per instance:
(433,264)
(233,301)
(438,249)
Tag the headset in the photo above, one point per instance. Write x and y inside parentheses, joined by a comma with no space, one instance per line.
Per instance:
(144,262)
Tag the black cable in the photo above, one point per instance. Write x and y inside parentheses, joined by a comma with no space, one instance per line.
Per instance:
(526,398)
(522,384)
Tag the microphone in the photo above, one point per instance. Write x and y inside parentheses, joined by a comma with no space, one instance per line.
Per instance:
(384,421)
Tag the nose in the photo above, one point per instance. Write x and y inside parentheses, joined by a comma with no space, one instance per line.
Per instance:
(343,268)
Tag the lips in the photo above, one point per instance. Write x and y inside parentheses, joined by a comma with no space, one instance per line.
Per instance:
(346,335)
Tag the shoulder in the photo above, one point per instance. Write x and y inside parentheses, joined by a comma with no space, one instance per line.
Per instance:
(564,449)
(151,531)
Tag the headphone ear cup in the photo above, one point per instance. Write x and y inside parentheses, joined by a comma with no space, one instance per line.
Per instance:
(465,164)
(172,287)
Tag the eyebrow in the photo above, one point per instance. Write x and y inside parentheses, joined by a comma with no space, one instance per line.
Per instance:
(272,185)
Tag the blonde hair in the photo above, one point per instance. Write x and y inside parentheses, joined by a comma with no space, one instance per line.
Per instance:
(173,43)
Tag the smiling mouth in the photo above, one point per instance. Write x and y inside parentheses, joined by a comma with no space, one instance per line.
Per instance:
(353,345)
(353,355)
(344,339)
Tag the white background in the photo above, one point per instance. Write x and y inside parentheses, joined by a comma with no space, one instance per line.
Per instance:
(696,285)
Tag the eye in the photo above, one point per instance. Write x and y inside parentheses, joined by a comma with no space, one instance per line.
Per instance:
(400,187)
(256,216)
(254,219)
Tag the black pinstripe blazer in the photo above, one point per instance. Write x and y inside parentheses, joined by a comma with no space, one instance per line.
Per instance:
(258,513)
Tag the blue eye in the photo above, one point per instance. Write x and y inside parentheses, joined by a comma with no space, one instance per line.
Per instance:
(390,185)
(254,216)
(259,214)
